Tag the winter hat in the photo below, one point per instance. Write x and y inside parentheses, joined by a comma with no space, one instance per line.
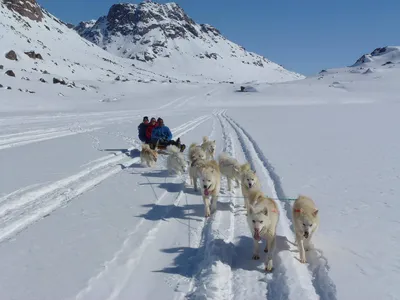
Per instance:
(146,118)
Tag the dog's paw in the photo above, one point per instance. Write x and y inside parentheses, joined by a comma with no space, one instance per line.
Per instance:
(266,250)
(269,269)
(303,260)
(255,257)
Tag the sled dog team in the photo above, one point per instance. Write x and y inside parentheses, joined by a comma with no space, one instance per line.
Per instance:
(262,211)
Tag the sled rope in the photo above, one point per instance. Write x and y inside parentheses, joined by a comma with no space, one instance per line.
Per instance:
(238,197)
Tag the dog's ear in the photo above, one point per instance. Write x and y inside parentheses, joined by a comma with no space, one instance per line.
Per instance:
(265,211)
(315,213)
(250,209)
(301,210)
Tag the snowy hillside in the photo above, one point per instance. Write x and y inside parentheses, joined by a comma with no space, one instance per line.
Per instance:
(380,56)
(45,54)
(165,37)
(81,218)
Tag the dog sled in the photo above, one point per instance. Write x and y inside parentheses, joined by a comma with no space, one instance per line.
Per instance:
(161,145)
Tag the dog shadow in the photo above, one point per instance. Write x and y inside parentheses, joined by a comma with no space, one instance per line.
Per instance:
(170,187)
(157,174)
(159,212)
(131,153)
(188,260)
(244,253)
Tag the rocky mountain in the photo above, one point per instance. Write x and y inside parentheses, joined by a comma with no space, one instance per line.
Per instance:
(26,8)
(164,36)
(40,52)
(384,55)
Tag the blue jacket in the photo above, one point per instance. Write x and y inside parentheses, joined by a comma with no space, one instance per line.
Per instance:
(161,133)
(142,132)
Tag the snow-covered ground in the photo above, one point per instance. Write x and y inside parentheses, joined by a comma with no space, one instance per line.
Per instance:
(80,218)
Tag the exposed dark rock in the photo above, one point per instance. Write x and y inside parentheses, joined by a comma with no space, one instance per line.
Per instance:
(55,81)
(10,73)
(11,55)
(26,8)
(42,80)
(34,55)
(1,67)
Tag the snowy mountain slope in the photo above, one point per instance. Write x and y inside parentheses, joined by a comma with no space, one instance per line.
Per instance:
(45,48)
(380,56)
(165,37)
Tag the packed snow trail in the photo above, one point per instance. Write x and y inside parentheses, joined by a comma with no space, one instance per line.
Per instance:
(21,208)
(290,279)
(119,275)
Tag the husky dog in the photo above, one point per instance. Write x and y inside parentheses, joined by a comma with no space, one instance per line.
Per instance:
(148,156)
(209,147)
(249,182)
(210,178)
(305,222)
(262,218)
(175,161)
(230,168)
(197,159)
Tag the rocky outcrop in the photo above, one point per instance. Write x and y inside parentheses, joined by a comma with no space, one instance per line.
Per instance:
(11,55)
(56,80)
(34,55)
(10,73)
(154,31)
(26,8)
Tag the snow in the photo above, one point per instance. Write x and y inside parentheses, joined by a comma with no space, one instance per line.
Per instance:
(81,218)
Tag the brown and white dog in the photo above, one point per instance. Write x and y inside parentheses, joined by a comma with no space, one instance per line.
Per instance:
(148,156)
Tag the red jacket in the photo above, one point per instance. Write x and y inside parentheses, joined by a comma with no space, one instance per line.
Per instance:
(149,130)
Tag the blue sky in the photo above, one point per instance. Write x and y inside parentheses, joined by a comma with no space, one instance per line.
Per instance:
(304,36)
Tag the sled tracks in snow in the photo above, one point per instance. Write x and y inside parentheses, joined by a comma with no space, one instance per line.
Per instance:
(225,267)
(290,279)
(23,207)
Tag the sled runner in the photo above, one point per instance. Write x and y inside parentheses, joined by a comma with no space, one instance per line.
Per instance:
(162,145)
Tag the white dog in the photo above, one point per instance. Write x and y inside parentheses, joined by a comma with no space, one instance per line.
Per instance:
(175,161)
(305,222)
(197,159)
(249,182)
(262,219)
(209,147)
(210,178)
(230,168)
(148,156)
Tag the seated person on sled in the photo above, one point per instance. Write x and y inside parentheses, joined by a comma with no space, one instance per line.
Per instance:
(142,129)
(163,136)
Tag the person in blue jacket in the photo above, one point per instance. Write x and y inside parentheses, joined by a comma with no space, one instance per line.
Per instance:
(142,129)
(163,136)
(161,133)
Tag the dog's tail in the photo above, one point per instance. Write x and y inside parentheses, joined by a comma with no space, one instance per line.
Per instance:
(245,167)
(213,164)
(172,149)
(223,156)
(254,195)
(205,139)
(145,146)
(192,146)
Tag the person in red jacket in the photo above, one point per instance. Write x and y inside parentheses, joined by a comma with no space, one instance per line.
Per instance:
(150,128)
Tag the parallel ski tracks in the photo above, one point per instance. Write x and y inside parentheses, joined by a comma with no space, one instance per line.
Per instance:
(21,208)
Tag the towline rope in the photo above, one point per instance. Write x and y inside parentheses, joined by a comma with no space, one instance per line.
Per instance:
(238,197)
